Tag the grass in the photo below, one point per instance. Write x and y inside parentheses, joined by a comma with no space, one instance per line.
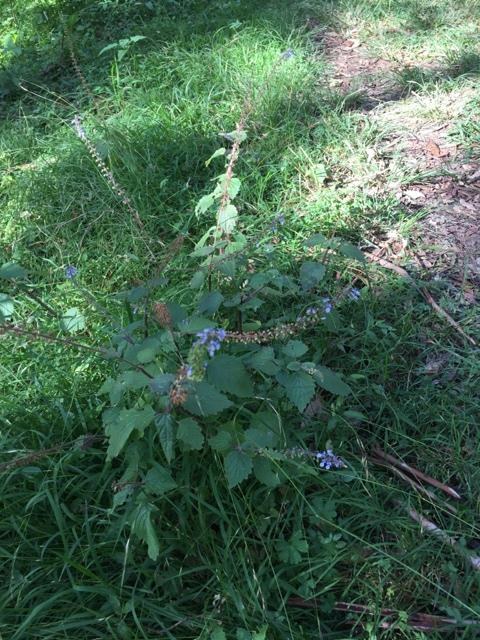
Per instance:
(68,566)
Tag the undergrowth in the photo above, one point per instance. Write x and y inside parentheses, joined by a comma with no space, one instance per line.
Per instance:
(197,362)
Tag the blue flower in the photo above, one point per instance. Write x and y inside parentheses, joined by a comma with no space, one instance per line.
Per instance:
(354,294)
(328,460)
(71,272)
(211,339)
(279,220)
(327,305)
(286,55)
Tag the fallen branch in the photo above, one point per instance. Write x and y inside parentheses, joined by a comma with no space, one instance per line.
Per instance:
(423,291)
(417,621)
(435,530)
(416,473)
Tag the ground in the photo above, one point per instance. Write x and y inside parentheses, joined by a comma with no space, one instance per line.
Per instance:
(368,131)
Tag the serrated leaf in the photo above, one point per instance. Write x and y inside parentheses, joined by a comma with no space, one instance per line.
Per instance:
(120,424)
(216,154)
(197,280)
(205,400)
(143,527)
(351,251)
(11,271)
(234,187)
(291,552)
(6,307)
(195,324)
(218,634)
(311,273)
(238,466)
(148,350)
(72,320)
(189,433)
(331,381)
(261,634)
(227,373)
(317,239)
(227,218)
(204,204)
(263,360)
(166,434)
(299,387)
(221,442)
(161,384)
(158,480)
(260,438)
(210,302)
(264,472)
(295,348)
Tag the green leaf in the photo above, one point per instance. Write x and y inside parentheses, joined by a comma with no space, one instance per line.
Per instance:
(331,381)
(11,271)
(238,466)
(195,324)
(158,480)
(133,379)
(227,218)
(311,273)
(205,400)
(263,360)
(161,384)
(149,349)
(189,433)
(143,527)
(260,438)
(204,204)
(299,387)
(242,634)
(227,373)
(216,154)
(72,320)
(221,442)
(261,634)
(218,634)
(264,473)
(234,187)
(121,423)
(165,426)
(317,239)
(291,552)
(210,302)
(197,280)
(295,348)
(6,307)
(351,251)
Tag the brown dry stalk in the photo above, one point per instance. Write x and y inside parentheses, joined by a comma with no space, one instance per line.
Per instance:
(431,527)
(417,621)
(416,473)
(426,294)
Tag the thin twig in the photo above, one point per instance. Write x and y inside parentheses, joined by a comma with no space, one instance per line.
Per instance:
(416,473)
(423,291)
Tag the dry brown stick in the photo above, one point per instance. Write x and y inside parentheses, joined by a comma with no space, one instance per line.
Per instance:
(418,621)
(416,473)
(435,530)
(415,485)
(426,294)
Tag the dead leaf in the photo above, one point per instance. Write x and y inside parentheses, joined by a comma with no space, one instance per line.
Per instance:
(433,149)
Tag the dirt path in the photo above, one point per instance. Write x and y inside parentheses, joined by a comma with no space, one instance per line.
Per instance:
(443,184)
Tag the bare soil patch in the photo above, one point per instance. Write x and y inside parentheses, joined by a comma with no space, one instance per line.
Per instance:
(447,239)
